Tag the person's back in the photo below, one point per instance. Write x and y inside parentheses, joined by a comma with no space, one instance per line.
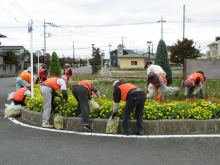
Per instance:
(156,69)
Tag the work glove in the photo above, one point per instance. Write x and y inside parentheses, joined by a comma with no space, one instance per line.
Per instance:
(113,114)
(146,90)
(158,97)
(65,96)
(60,97)
(194,93)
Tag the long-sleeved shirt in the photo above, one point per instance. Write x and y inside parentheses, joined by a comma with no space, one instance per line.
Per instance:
(162,85)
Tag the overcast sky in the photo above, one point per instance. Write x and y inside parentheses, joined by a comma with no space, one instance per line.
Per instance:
(104,22)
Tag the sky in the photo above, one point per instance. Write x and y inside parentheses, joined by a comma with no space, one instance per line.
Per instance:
(80,23)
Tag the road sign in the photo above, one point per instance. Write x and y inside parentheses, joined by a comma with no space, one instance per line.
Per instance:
(38,53)
(102,54)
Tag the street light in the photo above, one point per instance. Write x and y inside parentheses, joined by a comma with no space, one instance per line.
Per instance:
(149,44)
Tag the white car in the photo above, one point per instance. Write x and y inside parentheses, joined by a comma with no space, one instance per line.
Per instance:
(40,65)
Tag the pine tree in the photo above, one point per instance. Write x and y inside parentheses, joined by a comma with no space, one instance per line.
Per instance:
(55,68)
(162,60)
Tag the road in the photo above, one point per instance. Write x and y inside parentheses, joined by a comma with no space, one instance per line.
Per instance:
(28,146)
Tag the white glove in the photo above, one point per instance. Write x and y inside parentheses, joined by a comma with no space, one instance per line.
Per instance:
(194,93)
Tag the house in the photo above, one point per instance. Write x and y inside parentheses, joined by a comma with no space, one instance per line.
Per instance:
(126,58)
(19,51)
(2,54)
(214,49)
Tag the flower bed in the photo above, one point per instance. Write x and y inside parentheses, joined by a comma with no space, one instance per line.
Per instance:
(186,109)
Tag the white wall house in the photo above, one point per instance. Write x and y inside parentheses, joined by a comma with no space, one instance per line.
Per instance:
(214,49)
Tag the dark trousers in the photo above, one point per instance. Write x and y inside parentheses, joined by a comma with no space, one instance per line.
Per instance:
(19,102)
(137,103)
(81,95)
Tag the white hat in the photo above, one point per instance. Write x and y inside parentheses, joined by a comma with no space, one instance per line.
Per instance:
(114,83)
(29,69)
(67,64)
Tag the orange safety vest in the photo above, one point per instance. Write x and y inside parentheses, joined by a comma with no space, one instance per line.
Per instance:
(86,84)
(42,75)
(158,84)
(52,83)
(41,69)
(19,95)
(66,71)
(194,77)
(125,88)
(26,77)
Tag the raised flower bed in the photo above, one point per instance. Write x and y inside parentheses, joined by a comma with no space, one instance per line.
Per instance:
(186,109)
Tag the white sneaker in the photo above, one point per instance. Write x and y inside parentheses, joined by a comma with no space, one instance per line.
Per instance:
(47,126)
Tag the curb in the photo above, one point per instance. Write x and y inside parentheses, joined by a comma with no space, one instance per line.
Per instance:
(151,127)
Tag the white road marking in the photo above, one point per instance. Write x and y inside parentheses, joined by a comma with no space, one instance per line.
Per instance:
(113,135)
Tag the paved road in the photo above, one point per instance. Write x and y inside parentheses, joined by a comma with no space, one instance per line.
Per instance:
(27,146)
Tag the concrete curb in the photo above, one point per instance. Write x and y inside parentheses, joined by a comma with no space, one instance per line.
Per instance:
(151,127)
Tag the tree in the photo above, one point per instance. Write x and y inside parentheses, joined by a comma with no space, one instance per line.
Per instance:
(183,49)
(47,59)
(69,61)
(95,62)
(55,68)
(162,60)
(10,58)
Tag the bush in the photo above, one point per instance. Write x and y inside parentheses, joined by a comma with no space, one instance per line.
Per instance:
(55,68)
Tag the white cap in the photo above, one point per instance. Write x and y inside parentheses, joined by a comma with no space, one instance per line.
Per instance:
(114,83)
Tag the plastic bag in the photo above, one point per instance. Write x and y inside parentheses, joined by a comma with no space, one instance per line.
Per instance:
(171,90)
(12,110)
(112,125)
(10,95)
(58,121)
(93,106)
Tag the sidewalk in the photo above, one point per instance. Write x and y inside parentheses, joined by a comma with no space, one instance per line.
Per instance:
(105,72)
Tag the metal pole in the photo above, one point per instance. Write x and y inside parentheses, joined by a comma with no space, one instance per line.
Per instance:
(110,54)
(183,21)
(161,27)
(44,40)
(32,74)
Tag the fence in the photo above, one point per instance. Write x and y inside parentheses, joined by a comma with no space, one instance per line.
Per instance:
(210,67)
(9,70)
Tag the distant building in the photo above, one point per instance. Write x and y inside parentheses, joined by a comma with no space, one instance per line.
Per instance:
(214,49)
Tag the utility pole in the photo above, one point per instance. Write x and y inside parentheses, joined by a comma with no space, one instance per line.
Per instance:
(110,54)
(122,44)
(51,24)
(73,51)
(161,26)
(183,22)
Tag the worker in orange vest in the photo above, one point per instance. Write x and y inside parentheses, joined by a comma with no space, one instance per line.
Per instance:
(23,80)
(48,90)
(27,71)
(159,82)
(68,73)
(43,74)
(21,94)
(194,80)
(82,92)
(135,99)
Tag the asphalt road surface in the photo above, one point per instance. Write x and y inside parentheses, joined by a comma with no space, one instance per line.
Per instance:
(21,145)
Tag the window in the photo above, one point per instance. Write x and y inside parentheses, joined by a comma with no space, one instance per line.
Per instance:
(133,62)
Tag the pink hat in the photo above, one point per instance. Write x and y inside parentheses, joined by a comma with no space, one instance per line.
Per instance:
(188,82)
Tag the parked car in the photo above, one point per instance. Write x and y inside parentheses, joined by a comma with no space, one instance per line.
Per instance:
(40,65)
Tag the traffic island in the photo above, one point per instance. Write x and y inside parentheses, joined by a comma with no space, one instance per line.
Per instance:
(151,127)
